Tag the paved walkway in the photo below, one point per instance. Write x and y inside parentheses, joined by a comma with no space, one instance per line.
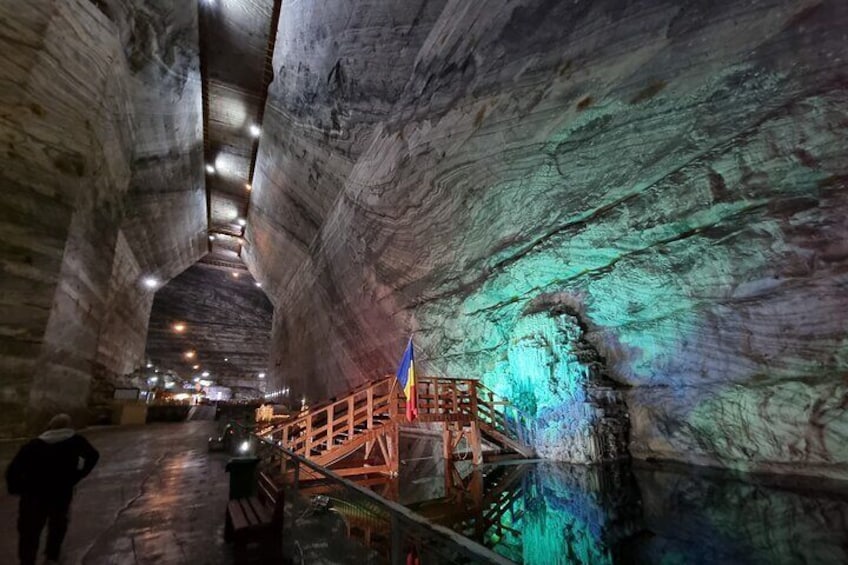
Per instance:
(156,497)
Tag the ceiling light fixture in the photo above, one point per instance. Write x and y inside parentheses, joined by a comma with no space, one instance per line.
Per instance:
(210,169)
(195,367)
(189,354)
(255,130)
(179,327)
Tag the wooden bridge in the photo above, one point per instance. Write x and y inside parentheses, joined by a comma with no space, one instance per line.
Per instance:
(358,434)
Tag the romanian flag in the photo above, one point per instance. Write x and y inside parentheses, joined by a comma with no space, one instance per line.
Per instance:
(406,378)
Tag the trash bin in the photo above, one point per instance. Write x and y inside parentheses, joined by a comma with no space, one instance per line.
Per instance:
(243,476)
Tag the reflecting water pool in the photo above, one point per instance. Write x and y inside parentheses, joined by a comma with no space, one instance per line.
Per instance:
(549,513)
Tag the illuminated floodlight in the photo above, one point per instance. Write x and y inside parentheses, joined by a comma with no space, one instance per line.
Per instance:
(179,327)
(189,354)
(255,130)
(259,284)
(150,365)
(261,375)
(210,169)
(150,282)
(244,447)
(195,367)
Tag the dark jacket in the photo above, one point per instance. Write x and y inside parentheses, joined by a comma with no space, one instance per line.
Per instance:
(51,464)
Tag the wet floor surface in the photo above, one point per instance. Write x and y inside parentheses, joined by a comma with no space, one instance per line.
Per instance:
(157,496)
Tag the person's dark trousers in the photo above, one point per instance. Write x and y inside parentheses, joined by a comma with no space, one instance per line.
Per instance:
(36,511)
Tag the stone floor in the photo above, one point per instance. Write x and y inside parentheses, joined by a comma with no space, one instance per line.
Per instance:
(157,496)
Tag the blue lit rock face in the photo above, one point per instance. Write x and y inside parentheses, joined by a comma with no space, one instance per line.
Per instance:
(554,375)
(677,169)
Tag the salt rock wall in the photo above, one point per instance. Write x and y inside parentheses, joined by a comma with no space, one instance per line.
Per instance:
(76,140)
(676,173)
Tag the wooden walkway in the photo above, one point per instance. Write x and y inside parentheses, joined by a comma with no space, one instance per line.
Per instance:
(358,434)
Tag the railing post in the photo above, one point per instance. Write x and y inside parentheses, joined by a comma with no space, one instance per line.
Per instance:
(472,391)
(308,437)
(370,403)
(330,416)
(350,411)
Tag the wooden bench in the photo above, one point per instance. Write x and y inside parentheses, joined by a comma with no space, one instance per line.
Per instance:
(257,522)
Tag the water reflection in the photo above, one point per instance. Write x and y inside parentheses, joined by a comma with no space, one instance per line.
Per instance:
(549,513)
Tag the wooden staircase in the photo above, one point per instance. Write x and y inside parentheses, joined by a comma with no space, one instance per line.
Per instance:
(358,433)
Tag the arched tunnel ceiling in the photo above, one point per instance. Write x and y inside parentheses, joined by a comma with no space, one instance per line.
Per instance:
(224,320)
(235,39)
(673,173)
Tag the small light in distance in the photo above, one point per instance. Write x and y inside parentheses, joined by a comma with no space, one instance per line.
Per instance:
(235,275)
(259,284)
(255,130)
(179,327)
(244,447)
(248,186)
(261,375)
(150,282)
(189,354)
(195,367)
(210,169)
(150,365)
(242,222)
(227,359)
(204,374)
(154,379)
(169,385)
(211,238)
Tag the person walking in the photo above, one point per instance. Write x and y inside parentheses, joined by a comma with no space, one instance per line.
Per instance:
(44,473)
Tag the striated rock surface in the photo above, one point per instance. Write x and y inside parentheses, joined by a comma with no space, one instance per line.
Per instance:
(101,177)
(677,171)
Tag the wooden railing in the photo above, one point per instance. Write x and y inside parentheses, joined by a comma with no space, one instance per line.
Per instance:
(370,415)
(321,429)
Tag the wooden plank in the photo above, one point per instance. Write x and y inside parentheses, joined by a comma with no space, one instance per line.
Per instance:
(362,470)
(237,516)
(251,516)
(263,513)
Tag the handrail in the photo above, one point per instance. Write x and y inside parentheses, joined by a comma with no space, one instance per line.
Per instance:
(469,548)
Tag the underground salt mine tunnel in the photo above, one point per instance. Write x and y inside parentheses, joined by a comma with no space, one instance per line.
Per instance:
(424,281)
